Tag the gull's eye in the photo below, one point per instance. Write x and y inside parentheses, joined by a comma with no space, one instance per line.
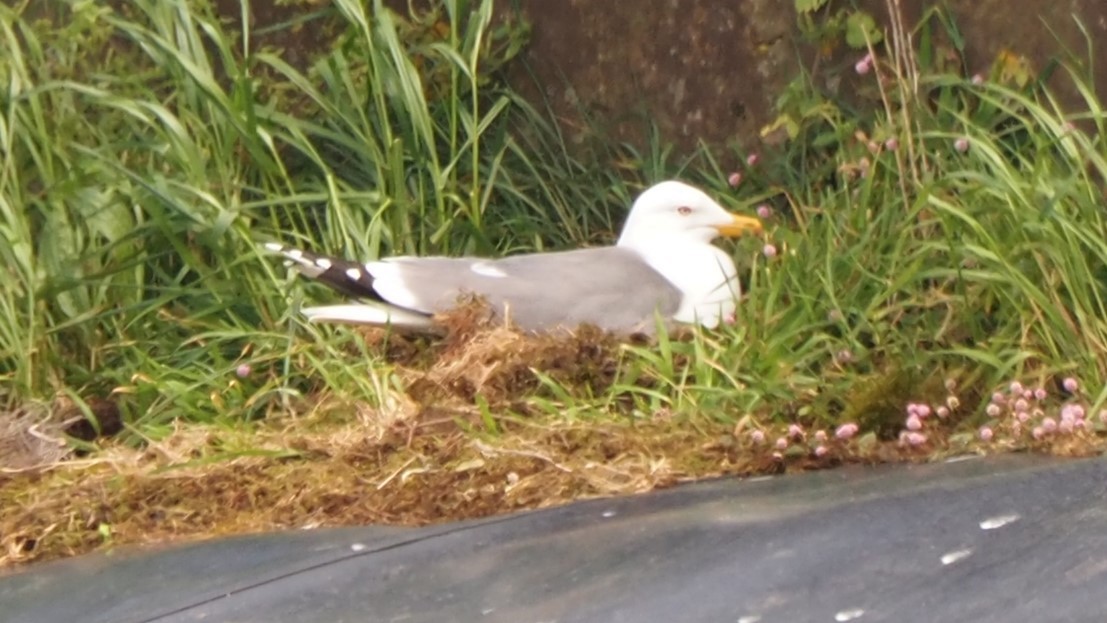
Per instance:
(684,210)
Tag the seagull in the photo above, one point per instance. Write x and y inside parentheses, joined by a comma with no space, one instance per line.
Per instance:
(662,264)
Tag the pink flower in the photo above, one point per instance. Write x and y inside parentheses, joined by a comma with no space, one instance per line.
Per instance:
(891,144)
(922,410)
(998,398)
(1021,405)
(912,408)
(846,431)
(993,410)
(820,436)
(795,431)
(1070,384)
(1040,393)
(913,438)
(943,412)
(781,443)
(844,356)
(873,147)
(1022,416)
(1072,412)
(977,79)
(243,371)
(1016,387)
(1066,426)
(757,437)
(961,145)
(735,179)
(764,211)
(821,451)
(1049,424)
(986,433)
(1038,432)
(769,251)
(864,65)
(752,160)
(913,422)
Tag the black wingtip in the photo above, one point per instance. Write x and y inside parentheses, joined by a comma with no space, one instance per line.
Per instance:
(345,276)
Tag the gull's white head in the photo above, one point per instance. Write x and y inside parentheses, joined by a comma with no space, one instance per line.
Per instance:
(676,211)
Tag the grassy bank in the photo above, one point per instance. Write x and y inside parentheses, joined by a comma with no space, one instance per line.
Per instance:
(927,249)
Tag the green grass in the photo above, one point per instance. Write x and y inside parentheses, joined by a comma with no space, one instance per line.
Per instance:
(137,181)
(984,266)
(148,152)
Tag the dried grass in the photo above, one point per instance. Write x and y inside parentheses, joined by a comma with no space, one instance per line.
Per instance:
(202,482)
(31,438)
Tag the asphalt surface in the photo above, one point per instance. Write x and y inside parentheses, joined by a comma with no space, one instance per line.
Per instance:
(998,539)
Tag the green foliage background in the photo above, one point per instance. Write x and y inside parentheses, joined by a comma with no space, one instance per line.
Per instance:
(955,228)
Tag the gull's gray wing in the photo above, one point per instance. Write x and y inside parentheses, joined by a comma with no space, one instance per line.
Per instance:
(609,287)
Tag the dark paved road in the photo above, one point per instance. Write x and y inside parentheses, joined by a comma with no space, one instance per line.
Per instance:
(1001,539)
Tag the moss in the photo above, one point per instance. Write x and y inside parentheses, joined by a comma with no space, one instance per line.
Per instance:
(876,402)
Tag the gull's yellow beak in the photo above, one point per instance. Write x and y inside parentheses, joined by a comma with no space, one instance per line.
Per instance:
(739,225)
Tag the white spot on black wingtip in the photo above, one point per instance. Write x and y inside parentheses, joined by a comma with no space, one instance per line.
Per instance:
(354,274)
(275,247)
(323,263)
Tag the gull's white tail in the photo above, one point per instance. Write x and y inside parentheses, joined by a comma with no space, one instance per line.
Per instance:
(378,315)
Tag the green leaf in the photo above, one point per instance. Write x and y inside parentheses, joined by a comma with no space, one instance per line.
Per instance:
(859,27)
(104,213)
(809,6)
(783,123)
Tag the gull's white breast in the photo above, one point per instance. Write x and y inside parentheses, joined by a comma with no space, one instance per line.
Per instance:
(706,277)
